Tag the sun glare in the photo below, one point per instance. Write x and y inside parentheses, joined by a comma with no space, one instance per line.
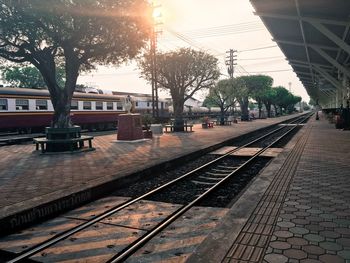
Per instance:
(157,13)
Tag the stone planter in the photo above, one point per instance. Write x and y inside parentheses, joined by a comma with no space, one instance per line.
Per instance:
(65,136)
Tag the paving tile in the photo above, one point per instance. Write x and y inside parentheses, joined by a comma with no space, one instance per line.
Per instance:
(275,258)
(331,259)
(297,241)
(280,245)
(331,246)
(299,230)
(344,242)
(295,254)
(315,250)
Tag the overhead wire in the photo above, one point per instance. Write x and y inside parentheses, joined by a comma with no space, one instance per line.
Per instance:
(261,58)
(253,49)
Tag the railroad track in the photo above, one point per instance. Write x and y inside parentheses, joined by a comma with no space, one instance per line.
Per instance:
(204,180)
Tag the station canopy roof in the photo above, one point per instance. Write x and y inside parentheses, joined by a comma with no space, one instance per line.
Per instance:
(314,36)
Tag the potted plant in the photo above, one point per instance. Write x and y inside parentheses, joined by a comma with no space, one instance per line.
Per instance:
(147,120)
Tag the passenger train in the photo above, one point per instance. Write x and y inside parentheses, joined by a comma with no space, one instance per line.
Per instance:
(30,110)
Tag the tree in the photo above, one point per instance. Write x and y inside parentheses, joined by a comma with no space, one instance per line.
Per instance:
(291,100)
(257,87)
(28,77)
(285,100)
(182,72)
(268,99)
(222,95)
(242,95)
(281,98)
(75,34)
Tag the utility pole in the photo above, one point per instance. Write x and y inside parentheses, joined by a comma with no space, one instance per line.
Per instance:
(153,46)
(230,61)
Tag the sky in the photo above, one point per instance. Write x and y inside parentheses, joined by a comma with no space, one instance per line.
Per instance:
(215,27)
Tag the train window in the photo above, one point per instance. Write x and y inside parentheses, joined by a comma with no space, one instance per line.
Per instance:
(41,104)
(74,105)
(87,105)
(3,104)
(119,106)
(99,105)
(109,105)
(22,104)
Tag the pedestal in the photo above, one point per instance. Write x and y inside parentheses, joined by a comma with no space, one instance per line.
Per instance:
(129,127)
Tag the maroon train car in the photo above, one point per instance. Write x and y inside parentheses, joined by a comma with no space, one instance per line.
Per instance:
(29,109)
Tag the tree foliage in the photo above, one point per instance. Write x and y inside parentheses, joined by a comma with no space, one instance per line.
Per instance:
(182,72)
(28,76)
(222,95)
(76,34)
(257,86)
(284,99)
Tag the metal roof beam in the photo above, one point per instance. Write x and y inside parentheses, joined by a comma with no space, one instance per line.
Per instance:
(305,63)
(332,61)
(295,43)
(304,39)
(324,30)
(303,73)
(328,77)
(304,18)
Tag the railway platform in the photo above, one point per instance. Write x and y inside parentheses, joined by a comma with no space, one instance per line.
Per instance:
(296,210)
(34,185)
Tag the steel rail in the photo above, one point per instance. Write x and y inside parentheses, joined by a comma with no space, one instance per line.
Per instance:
(128,251)
(39,247)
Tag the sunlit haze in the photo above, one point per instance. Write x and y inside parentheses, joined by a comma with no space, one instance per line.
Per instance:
(213,26)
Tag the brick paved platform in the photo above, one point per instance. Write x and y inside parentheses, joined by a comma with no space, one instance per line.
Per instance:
(28,179)
(297,210)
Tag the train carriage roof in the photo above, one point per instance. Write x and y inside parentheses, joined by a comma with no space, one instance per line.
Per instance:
(45,93)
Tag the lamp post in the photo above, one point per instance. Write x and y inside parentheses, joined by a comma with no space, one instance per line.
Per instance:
(153,45)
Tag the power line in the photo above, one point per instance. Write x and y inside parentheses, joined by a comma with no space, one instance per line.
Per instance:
(224,30)
(269,71)
(239,25)
(264,62)
(245,50)
(261,58)
(191,42)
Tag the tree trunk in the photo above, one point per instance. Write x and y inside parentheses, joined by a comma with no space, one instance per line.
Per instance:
(60,97)
(222,116)
(259,107)
(61,117)
(275,107)
(178,111)
(244,103)
(268,109)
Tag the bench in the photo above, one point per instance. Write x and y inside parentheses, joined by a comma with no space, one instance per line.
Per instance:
(187,127)
(208,124)
(42,142)
(226,122)
(169,126)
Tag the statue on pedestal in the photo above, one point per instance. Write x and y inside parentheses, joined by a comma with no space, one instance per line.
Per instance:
(128,104)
